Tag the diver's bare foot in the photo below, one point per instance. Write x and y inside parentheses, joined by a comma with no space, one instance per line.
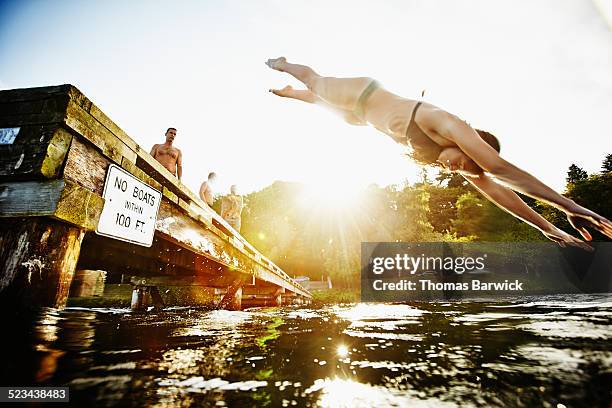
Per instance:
(277,63)
(300,94)
(286,92)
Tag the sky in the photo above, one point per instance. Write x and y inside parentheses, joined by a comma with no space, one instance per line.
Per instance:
(537,73)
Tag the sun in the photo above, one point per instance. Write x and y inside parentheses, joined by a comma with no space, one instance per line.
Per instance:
(342,351)
(331,196)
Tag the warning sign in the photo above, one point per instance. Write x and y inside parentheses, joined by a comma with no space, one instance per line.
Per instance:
(130,208)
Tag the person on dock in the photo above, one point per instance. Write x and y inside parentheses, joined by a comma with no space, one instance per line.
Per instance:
(206,190)
(441,139)
(231,208)
(169,156)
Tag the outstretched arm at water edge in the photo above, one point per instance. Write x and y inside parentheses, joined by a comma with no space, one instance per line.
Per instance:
(510,202)
(490,161)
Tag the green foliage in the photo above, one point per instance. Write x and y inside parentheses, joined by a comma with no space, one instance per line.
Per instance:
(606,166)
(470,215)
(303,241)
(575,174)
(452,180)
(593,192)
(479,218)
(413,208)
(335,296)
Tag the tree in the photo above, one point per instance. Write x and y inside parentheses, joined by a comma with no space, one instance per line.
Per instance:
(442,206)
(451,179)
(594,193)
(575,174)
(470,217)
(606,166)
(482,220)
(412,211)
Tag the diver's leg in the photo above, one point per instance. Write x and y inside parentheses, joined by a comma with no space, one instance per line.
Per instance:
(302,73)
(308,96)
(342,93)
(304,95)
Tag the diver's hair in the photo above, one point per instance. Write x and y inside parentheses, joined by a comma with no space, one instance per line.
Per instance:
(212,174)
(169,129)
(425,151)
(490,139)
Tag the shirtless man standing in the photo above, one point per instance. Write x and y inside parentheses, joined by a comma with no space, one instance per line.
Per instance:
(169,156)
(206,191)
(231,208)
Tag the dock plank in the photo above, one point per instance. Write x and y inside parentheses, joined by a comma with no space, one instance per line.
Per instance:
(30,198)
(86,166)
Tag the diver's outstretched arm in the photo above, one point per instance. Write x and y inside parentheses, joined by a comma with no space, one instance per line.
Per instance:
(308,96)
(510,202)
(466,138)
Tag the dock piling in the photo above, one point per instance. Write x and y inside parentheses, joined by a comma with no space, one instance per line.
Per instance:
(38,257)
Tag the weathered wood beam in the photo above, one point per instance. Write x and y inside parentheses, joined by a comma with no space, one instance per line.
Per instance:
(10,96)
(162,258)
(84,124)
(31,108)
(193,280)
(60,199)
(274,298)
(177,227)
(262,290)
(38,152)
(30,198)
(37,262)
(79,206)
(86,166)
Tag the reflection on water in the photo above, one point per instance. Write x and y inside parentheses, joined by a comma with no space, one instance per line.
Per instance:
(542,352)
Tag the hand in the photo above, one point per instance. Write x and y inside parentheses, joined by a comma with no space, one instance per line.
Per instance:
(580,218)
(564,239)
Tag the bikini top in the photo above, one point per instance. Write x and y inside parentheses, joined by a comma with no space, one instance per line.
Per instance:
(424,150)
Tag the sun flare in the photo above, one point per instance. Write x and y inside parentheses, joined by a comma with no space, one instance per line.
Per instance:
(342,350)
(331,196)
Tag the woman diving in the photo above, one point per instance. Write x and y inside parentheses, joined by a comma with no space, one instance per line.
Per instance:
(440,138)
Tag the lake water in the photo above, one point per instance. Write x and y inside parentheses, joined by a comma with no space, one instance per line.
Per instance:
(527,352)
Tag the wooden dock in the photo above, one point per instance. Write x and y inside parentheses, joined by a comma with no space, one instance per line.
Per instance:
(56,148)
